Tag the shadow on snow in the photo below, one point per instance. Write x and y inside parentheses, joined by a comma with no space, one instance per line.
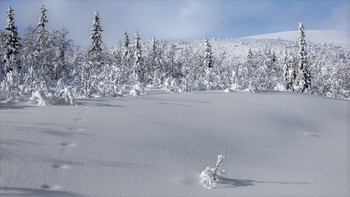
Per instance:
(18,191)
(224,182)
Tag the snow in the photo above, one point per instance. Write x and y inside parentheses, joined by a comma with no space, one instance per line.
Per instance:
(157,144)
(337,38)
(40,98)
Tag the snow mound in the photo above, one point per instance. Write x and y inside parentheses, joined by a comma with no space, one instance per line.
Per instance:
(134,92)
(207,177)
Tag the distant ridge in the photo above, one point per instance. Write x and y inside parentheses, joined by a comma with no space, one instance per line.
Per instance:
(337,38)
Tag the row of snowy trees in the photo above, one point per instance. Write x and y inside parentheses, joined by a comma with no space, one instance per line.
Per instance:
(45,63)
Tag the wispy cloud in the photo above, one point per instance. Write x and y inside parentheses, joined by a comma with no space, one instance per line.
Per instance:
(339,18)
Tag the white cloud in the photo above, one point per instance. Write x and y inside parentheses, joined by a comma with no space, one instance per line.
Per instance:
(174,19)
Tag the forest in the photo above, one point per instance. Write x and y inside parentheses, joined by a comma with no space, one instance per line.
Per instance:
(44,64)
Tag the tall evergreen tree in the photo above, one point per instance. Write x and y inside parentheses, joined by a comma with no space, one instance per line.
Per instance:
(45,49)
(126,44)
(92,69)
(42,23)
(2,51)
(304,74)
(171,69)
(208,64)
(29,59)
(289,73)
(154,68)
(12,45)
(11,56)
(138,63)
(270,62)
(246,70)
(208,57)
(64,44)
(95,51)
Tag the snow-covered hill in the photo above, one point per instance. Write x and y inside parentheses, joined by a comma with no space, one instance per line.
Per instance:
(314,36)
(277,42)
(277,144)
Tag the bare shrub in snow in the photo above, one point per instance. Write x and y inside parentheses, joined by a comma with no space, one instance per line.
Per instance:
(209,175)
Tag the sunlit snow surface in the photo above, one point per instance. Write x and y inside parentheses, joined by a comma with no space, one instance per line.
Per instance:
(337,38)
(280,144)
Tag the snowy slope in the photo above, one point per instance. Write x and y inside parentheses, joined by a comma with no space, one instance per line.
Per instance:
(237,49)
(157,145)
(314,36)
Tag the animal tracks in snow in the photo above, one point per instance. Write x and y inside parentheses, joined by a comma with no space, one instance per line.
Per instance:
(61,166)
(311,134)
(80,120)
(68,144)
(53,187)
(77,128)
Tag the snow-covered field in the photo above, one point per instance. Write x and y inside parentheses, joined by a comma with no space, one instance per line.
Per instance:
(276,144)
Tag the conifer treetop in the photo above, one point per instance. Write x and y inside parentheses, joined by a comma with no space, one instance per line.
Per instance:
(43,17)
(96,39)
(11,41)
(126,39)
(10,18)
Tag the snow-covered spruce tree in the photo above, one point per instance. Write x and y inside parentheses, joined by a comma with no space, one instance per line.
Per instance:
(192,68)
(93,68)
(208,57)
(126,47)
(259,77)
(45,52)
(29,60)
(11,59)
(124,67)
(2,49)
(172,66)
(342,75)
(95,54)
(228,70)
(116,75)
(61,69)
(289,73)
(147,62)
(272,69)
(138,76)
(155,68)
(78,73)
(303,79)
(42,22)
(208,64)
(245,70)
(161,50)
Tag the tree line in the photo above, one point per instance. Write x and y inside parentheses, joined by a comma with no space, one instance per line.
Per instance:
(46,61)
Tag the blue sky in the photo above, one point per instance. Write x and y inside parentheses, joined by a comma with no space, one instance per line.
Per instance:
(180,19)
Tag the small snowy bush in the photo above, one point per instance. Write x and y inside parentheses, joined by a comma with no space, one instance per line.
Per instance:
(40,98)
(64,94)
(209,175)
(134,92)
